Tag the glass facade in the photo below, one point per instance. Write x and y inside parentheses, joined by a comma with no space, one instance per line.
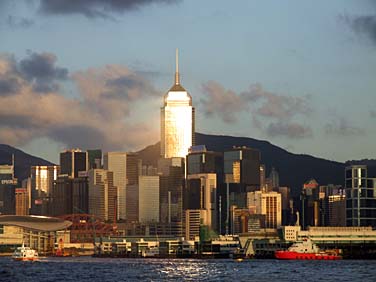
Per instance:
(177,121)
(361,199)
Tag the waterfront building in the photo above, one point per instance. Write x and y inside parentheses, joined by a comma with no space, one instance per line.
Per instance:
(193,220)
(42,182)
(268,204)
(125,168)
(102,194)
(72,161)
(360,197)
(177,120)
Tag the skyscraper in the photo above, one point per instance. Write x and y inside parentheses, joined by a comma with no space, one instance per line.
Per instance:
(73,161)
(177,120)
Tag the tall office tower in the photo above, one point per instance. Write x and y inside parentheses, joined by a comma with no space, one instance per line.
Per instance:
(42,181)
(268,204)
(102,194)
(70,195)
(171,194)
(8,186)
(241,175)
(201,194)
(94,158)
(285,197)
(73,161)
(126,168)
(117,163)
(177,120)
(148,197)
(273,179)
(310,212)
(332,205)
(242,166)
(360,197)
(22,201)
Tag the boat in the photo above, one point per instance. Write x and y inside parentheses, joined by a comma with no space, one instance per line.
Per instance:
(307,250)
(25,254)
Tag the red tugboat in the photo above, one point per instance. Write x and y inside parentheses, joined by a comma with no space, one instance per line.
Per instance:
(307,250)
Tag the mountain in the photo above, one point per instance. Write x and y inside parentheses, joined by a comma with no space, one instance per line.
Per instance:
(294,169)
(22,161)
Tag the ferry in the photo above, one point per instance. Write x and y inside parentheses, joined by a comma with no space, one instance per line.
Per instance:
(306,250)
(25,254)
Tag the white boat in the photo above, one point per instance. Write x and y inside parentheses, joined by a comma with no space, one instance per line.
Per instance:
(25,254)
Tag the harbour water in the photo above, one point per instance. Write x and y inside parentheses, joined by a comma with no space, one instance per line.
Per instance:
(105,269)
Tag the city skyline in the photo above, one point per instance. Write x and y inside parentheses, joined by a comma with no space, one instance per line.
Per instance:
(258,70)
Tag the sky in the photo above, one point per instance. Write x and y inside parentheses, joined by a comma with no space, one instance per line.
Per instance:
(92,74)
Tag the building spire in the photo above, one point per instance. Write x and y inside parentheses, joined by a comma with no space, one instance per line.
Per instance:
(177,78)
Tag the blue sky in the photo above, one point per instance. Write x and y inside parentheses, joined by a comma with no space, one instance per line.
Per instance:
(300,74)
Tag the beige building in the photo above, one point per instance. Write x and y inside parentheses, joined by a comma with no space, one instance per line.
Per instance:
(102,194)
(148,198)
(22,201)
(192,220)
(268,204)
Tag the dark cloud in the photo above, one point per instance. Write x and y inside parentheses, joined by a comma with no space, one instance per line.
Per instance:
(8,85)
(290,130)
(339,126)
(40,69)
(272,113)
(93,118)
(363,25)
(15,22)
(95,8)
(372,113)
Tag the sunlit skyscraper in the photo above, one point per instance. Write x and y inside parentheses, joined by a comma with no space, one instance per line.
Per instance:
(177,120)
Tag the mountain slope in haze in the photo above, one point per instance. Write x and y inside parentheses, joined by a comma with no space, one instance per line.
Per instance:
(22,161)
(294,169)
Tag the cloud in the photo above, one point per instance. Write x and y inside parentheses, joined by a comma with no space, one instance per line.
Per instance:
(95,8)
(363,25)
(272,113)
(99,115)
(291,130)
(339,126)
(222,102)
(15,22)
(372,113)
(40,69)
